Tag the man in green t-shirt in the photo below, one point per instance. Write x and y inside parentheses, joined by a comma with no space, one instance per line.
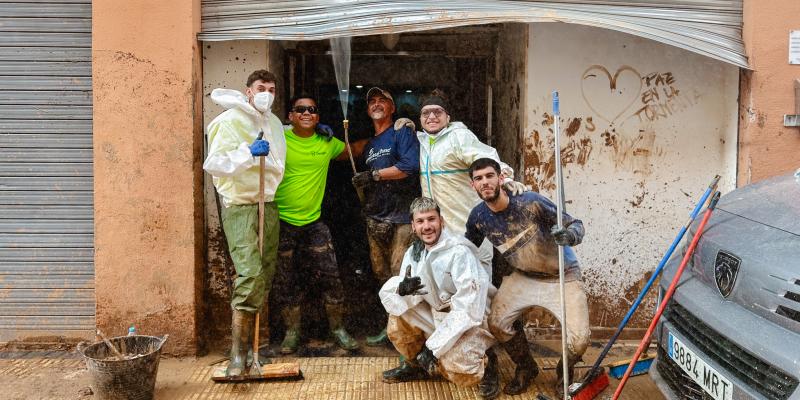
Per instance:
(302,232)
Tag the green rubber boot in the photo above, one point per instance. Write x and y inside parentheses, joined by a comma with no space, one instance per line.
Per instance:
(335,317)
(380,339)
(240,342)
(291,340)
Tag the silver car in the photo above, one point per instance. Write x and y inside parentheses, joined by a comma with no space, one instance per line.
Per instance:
(732,329)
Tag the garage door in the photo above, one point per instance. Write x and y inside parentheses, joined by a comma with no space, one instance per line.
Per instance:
(46,218)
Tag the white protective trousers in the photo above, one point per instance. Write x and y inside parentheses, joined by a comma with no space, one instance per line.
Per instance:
(518,293)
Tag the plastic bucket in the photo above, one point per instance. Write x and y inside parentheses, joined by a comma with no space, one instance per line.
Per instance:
(133,378)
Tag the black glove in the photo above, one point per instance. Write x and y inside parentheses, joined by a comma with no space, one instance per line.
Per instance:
(427,360)
(564,237)
(362,179)
(411,285)
(416,249)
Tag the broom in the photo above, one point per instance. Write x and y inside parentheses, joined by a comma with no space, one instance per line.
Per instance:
(668,295)
(596,380)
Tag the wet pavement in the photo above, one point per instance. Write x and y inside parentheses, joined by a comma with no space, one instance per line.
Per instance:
(63,375)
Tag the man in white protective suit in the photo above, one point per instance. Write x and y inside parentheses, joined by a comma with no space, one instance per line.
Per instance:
(232,161)
(446,151)
(438,307)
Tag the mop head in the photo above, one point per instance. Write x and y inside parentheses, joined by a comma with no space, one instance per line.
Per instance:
(271,372)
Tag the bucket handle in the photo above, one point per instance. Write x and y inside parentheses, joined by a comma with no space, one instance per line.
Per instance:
(163,340)
(81,347)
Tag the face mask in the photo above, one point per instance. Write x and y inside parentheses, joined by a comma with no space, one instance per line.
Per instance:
(263,101)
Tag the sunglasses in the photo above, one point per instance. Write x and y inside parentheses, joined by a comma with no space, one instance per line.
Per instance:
(436,112)
(302,109)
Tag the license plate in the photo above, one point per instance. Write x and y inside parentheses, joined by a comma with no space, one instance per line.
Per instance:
(719,387)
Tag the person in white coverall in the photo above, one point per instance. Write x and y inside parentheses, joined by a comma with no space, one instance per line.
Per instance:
(438,306)
(445,153)
(232,161)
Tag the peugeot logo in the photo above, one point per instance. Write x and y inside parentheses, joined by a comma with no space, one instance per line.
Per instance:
(726,267)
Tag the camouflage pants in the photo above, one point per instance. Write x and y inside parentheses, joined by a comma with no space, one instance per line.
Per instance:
(306,260)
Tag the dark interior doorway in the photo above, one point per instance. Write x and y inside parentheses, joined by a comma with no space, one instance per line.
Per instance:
(458,61)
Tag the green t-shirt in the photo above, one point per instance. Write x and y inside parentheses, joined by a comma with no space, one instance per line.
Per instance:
(299,196)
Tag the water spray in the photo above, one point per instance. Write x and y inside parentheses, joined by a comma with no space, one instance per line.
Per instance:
(340,52)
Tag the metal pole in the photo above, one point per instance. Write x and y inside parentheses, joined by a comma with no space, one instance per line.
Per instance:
(559,218)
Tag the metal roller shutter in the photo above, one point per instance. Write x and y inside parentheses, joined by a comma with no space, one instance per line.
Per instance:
(709,27)
(46,213)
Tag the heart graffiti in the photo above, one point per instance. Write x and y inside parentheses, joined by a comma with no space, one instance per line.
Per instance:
(624,88)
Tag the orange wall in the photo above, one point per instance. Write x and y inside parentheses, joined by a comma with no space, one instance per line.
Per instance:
(147,168)
(766,147)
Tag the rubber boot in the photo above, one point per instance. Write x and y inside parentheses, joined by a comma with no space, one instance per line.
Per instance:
(291,339)
(335,317)
(380,339)
(406,372)
(489,386)
(572,359)
(240,337)
(526,368)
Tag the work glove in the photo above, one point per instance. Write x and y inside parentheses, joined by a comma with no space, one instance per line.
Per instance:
(514,188)
(411,285)
(427,360)
(362,179)
(259,147)
(564,237)
(416,249)
(325,131)
(401,122)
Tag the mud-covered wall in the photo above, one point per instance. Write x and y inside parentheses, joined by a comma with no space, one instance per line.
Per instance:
(645,128)
(508,88)
(766,147)
(225,65)
(147,159)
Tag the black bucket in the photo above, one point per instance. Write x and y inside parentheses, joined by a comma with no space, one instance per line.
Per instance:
(133,378)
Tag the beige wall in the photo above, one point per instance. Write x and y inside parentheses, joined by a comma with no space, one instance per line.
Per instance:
(645,127)
(766,147)
(147,168)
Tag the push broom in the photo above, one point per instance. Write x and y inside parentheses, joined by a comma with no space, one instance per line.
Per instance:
(668,295)
(596,380)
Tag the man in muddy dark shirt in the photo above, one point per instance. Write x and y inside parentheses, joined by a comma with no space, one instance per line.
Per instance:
(523,229)
(389,185)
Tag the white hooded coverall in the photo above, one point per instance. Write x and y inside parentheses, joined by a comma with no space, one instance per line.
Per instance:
(451,319)
(444,161)
(234,169)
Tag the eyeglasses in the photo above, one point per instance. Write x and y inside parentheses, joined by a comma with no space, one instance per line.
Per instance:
(437,112)
(303,109)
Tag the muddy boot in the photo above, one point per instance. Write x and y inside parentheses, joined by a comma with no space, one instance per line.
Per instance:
(489,387)
(571,361)
(380,339)
(406,372)
(526,368)
(240,337)
(291,339)
(335,317)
